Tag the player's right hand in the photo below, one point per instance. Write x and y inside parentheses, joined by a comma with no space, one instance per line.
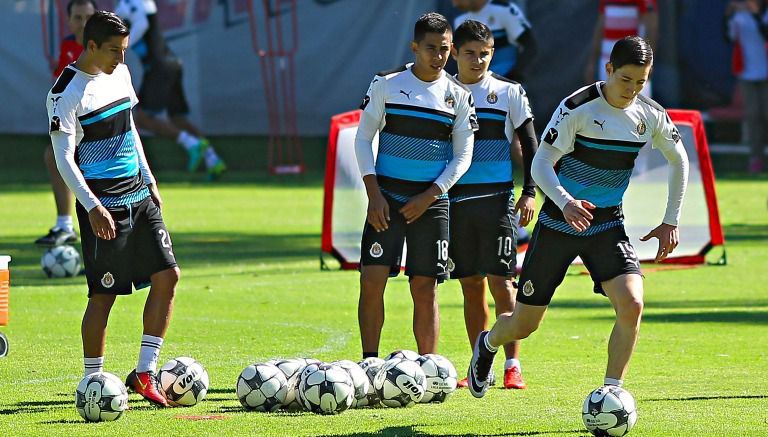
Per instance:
(378,211)
(576,213)
(101,223)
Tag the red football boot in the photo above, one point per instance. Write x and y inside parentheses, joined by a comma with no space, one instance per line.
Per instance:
(147,385)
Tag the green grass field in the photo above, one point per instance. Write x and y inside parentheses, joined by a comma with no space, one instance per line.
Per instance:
(251,290)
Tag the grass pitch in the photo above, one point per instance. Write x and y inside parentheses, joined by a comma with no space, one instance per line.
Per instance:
(251,290)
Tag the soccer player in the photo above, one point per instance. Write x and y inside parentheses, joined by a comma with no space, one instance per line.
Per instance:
(618,19)
(78,12)
(162,90)
(516,45)
(583,165)
(425,120)
(99,154)
(483,209)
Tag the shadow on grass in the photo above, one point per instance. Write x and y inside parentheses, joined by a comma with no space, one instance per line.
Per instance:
(744,232)
(397,431)
(27,407)
(191,249)
(589,303)
(707,398)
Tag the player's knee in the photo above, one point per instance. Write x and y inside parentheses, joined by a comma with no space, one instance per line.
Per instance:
(631,311)
(472,288)
(167,280)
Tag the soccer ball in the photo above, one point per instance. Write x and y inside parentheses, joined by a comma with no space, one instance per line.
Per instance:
(400,383)
(326,389)
(291,369)
(441,377)
(359,380)
(262,387)
(609,411)
(404,354)
(61,262)
(184,381)
(101,396)
(371,366)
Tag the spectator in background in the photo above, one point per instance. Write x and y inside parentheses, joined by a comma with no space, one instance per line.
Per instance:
(618,19)
(78,12)
(747,28)
(162,91)
(515,46)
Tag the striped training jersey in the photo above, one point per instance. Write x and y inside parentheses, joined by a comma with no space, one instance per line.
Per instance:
(507,22)
(601,143)
(502,106)
(417,120)
(96,109)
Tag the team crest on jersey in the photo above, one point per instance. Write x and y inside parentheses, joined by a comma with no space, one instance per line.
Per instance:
(107,281)
(376,250)
(450,100)
(492,98)
(641,128)
(528,288)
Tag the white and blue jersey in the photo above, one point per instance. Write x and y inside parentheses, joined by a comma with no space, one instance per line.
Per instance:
(501,106)
(416,122)
(601,143)
(96,110)
(507,22)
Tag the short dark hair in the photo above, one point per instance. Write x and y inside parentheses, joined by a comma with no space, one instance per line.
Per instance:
(631,50)
(80,2)
(103,26)
(431,22)
(472,30)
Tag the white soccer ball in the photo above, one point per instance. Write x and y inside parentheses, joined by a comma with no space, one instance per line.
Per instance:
(400,383)
(325,389)
(61,262)
(262,387)
(291,369)
(609,411)
(359,380)
(101,396)
(371,366)
(441,377)
(404,354)
(184,381)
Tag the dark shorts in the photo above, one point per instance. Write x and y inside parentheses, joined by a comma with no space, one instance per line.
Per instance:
(162,88)
(483,237)
(427,240)
(606,255)
(141,248)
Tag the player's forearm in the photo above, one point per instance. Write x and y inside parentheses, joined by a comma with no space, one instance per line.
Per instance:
(463,144)
(543,172)
(529,145)
(64,152)
(677,182)
(366,131)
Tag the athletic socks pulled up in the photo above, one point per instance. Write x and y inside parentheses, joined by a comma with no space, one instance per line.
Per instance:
(149,353)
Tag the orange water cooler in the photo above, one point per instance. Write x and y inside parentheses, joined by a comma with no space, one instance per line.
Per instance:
(5,285)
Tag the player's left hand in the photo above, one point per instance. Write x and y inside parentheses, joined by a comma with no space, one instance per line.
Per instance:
(416,206)
(669,238)
(155,194)
(526,205)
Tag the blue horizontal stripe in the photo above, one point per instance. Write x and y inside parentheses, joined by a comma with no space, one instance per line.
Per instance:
(592,145)
(487,172)
(106,114)
(409,169)
(125,199)
(405,112)
(119,167)
(602,197)
(490,116)
(402,146)
(564,227)
(591,176)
